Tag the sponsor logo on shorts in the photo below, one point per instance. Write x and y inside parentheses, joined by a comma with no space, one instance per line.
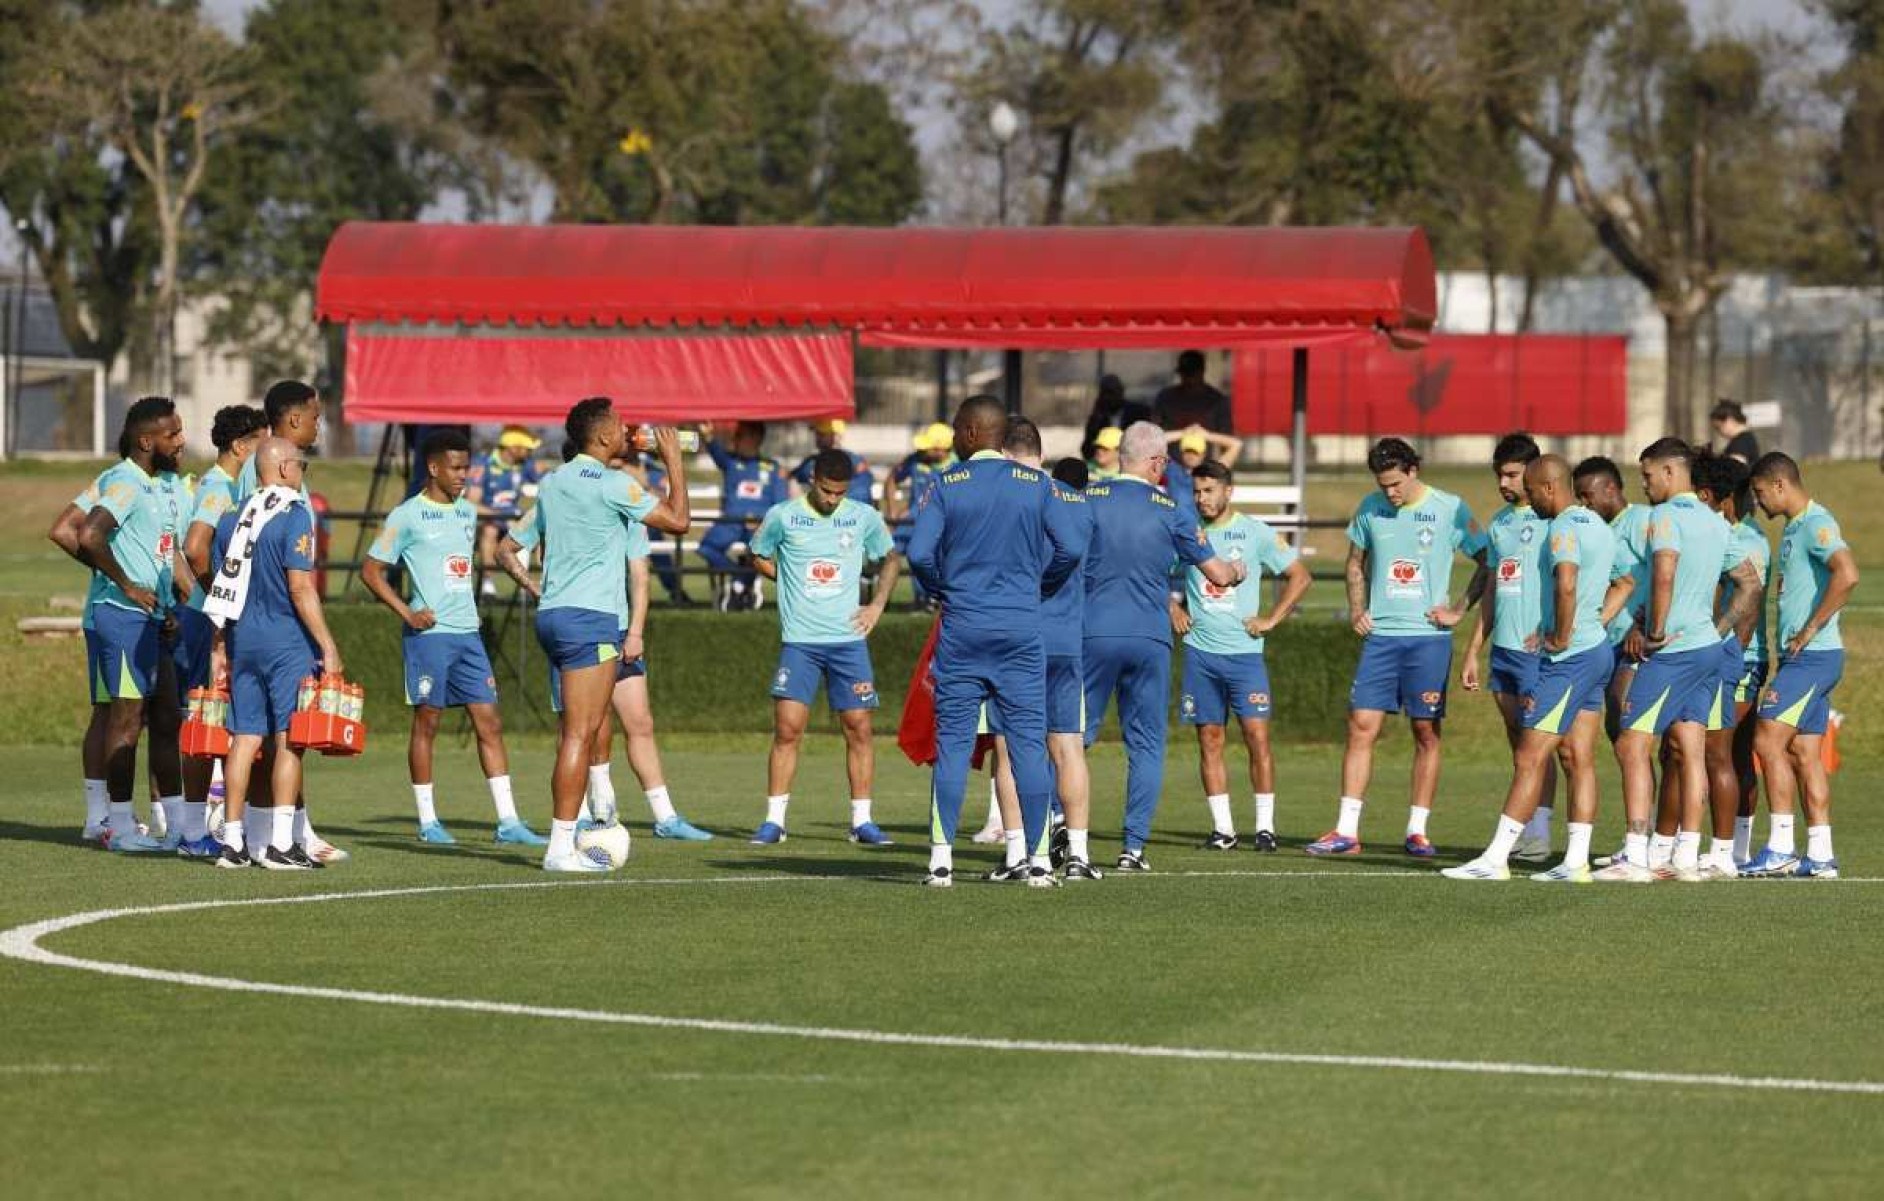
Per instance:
(1189,705)
(425,687)
(1771,697)
(782,678)
(1259,698)
(1430,697)
(863,688)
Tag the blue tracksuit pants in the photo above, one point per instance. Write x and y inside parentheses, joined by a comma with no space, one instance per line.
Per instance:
(1139,671)
(1006,670)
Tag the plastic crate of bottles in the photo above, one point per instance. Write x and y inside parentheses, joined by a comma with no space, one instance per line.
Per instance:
(329,716)
(205,732)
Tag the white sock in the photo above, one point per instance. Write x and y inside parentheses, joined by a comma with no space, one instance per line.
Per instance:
(584,814)
(1539,825)
(1687,853)
(173,812)
(1778,832)
(1076,844)
(123,820)
(1040,863)
(1743,839)
(994,807)
(301,829)
(97,803)
(859,812)
(1503,839)
(195,821)
(258,824)
(1348,825)
(1220,818)
(501,800)
(1416,820)
(562,838)
(422,797)
(232,834)
(1577,852)
(775,809)
(1635,849)
(941,855)
(1016,848)
(601,791)
(1661,848)
(282,822)
(1265,813)
(215,778)
(1720,852)
(660,804)
(1819,843)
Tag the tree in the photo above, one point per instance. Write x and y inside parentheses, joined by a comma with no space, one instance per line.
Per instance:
(1853,168)
(1084,75)
(162,88)
(677,110)
(82,213)
(1694,139)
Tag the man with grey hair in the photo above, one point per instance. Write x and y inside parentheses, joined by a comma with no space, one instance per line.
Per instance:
(1137,530)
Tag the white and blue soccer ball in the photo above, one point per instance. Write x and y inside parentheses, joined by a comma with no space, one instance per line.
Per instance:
(610,843)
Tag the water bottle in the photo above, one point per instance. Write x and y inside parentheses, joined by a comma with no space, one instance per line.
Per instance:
(330,694)
(689,439)
(304,699)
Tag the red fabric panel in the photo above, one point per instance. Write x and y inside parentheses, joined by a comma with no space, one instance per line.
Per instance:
(1172,338)
(533,381)
(915,731)
(923,279)
(1457,384)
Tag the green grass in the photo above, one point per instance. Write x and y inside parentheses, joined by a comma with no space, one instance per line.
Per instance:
(171,1090)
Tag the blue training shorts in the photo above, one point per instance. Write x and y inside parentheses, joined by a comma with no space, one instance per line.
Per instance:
(843,666)
(264,685)
(1800,694)
(1670,688)
(1514,673)
(1403,674)
(447,670)
(190,652)
(578,638)
(124,647)
(1566,687)
(625,669)
(1215,686)
(1721,716)
(1066,695)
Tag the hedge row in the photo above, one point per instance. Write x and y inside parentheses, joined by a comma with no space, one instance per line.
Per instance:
(709,672)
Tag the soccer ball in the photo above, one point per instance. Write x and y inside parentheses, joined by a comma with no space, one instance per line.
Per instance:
(610,841)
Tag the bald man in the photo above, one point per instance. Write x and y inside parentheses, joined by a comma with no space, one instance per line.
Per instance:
(1562,712)
(268,618)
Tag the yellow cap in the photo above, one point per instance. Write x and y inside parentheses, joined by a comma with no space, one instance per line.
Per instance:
(830,425)
(939,436)
(1194,443)
(1109,437)
(516,435)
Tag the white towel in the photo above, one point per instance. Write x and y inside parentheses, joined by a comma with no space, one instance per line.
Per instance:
(229,590)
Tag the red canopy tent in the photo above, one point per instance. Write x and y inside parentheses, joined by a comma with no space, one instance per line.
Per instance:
(512,323)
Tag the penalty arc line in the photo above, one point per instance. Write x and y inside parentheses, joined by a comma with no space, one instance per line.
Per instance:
(22,943)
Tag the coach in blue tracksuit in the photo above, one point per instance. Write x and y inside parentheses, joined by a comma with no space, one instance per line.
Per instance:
(1138,532)
(992,537)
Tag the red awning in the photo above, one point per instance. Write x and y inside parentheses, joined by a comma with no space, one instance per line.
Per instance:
(1034,287)
(534,380)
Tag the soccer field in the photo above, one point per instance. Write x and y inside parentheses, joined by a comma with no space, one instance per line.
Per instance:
(720,1019)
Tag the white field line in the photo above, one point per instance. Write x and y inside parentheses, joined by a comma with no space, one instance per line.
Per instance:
(22,942)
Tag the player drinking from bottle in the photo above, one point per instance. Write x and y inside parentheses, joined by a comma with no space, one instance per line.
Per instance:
(435,535)
(816,548)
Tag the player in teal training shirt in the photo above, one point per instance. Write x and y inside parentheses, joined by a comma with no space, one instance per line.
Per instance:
(584,596)
(1815,574)
(816,548)
(1224,671)
(1562,711)
(1401,545)
(1511,617)
(434,534)
(130,538)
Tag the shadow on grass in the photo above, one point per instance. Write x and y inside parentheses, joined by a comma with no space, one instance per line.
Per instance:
(876,869)
(60,835)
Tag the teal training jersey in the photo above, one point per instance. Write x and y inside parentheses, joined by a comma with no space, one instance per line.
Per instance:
(182,499)
(145,542)
(1218,614)
(820,561)
(585,553)
(1409,554)
(1806,547)
(435,542)
(1747,543)
(85,502)
(1516,536)
(1631,559)
(1700,537)
(214,500)
(1578,536)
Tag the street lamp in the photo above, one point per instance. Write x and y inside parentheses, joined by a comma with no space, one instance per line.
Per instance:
(1003,123)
